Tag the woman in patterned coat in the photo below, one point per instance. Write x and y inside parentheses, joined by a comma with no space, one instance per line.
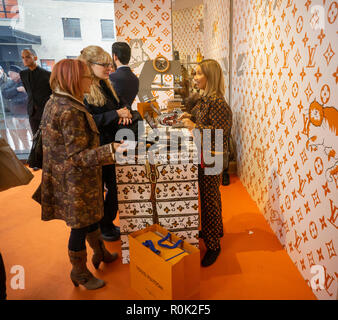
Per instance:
(71,188)
(211,112)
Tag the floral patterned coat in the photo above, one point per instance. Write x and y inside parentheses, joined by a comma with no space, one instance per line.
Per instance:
(71,188)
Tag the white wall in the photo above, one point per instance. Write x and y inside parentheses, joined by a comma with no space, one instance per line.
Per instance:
(44,18)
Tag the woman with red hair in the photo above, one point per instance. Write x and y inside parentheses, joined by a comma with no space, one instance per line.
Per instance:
(71,188)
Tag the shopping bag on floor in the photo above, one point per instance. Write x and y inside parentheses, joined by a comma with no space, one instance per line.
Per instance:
(12,172)
(162,266)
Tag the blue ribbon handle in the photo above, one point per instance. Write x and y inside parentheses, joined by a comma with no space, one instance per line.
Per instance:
(149,244)
(174,246)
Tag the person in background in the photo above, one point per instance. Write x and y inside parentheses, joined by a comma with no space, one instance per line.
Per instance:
(211,112)
(15,92)
(71,186)
(15,100)
(123,79)
(3,80)
(36,82)
(107,111)
(3,77)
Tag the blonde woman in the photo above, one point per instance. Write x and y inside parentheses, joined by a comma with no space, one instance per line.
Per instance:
(107,110)
(211,112)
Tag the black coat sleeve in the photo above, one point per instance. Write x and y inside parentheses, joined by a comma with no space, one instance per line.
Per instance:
(106,118)
(102,119)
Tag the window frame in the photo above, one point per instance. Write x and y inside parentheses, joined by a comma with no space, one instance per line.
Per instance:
(6,12)
(113,29)
(63,26)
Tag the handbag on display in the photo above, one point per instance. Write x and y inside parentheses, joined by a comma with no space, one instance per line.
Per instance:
(12,172)
(35,156)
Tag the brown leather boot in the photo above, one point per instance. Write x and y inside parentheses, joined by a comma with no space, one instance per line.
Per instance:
(100,252)
(80,273)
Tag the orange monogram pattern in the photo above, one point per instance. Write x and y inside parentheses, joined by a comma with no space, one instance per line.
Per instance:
(217,35)
(285,119)
(146,26)
(188,31)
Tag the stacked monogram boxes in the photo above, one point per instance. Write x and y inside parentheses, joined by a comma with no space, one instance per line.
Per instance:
(160,192)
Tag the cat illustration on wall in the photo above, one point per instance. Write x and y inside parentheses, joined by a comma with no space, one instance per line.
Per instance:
(322,131)
(138,55)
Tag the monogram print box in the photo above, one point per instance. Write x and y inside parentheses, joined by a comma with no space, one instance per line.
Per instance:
(159,192)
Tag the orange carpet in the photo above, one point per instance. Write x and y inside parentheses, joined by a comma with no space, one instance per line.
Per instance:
(250,266)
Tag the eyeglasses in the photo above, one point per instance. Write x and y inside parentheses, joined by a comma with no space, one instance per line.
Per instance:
(104,65)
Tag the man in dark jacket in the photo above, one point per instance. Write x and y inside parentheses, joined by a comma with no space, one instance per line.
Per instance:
(124,81)
(36,83)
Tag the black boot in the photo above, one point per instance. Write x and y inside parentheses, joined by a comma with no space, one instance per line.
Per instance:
(210,257)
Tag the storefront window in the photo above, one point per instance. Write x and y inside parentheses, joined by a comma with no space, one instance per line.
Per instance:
(71,27)
(48,64)
(8,9)
(55,29)
(107,27)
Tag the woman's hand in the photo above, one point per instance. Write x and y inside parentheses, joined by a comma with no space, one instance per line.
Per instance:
(119,147)
(21,89)
(189,124)
(125,121)
(124,113)
(185,115)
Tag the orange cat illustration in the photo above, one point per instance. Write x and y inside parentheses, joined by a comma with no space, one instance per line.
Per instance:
(322,131)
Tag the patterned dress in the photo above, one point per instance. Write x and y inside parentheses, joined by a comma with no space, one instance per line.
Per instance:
(212,113)
(71,187)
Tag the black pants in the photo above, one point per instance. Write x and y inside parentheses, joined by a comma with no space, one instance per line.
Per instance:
(110,201)
(211,208)
(34,123)
(3,294)
(77,239)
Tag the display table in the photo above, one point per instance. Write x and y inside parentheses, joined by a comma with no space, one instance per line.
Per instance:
(163,193)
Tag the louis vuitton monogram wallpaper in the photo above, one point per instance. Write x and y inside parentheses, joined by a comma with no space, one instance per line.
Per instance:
(217,35)
(285,123)
(146,25)
(284,101)
(188,32)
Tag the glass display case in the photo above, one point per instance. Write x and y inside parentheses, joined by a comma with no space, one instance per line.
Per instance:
(54,29)
(14,123)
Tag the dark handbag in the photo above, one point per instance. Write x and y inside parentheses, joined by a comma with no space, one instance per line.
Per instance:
(137,125)
(35,156)
(12,172)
